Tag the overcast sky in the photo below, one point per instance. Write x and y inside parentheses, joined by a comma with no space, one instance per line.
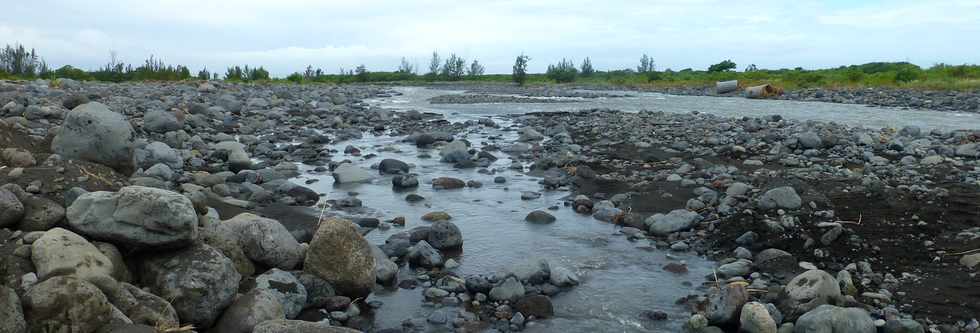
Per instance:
(287,35)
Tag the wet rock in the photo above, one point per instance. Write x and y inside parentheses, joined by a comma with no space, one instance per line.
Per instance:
(676,220)
(341,256)
(445,235)
(455,152)
(538,306)
(265,241)
(725,306)
(436,216)
(425,255)
(385,270)
(11,313)
(11,210)
(287,289)
(528,195)
(756,319)
(539,217)
(199,281)
(248,311)
(414,197)
(298,326)
(404,182)
(447,183)
(510,289)
(319,292)
(93,133)
(781,197)
(807,291)
(392,167)
(62,252)
(136,217)
(65,304)
(349,173)
(833,319)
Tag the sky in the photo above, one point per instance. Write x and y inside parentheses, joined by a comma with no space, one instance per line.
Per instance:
(285,36)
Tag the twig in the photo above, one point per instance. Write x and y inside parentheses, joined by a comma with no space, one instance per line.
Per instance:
(93,175)
(962,253)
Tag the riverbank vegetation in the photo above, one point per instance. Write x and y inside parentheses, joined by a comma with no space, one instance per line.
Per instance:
(19,62)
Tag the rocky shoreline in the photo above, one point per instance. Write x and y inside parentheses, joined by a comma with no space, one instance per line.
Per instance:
(144,207)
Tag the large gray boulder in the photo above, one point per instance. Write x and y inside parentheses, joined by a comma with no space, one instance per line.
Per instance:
(807,291)
(833,319)
(299,326)
(508,290)
(93,133)
(725,305)
(445,235)
(238,158)
(139,306)
(158,152)
(265,241)
(781,197)
(62,252)
(65,304)
(199,281)
(676,220)
(341,256)
(136,217)
(455,152)
(160,121)
(248,311)
(349,173)
(11,313)
(755,318)
(286,288)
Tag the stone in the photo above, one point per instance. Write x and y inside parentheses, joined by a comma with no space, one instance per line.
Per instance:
(447,183)
(538,306)
(160,121)
(455,152)
(11,210)
(136,217)
(385,270)
(319,292)
(425,255)
(436,216)
(299,326)
(346,173)
(510,289)
(286,288)
(392,166)
(404,182)
(445,235)
(342,257)
(902,326)
(807,291)
(755,318)
(93,133)
(248,311)
(775,261)
(17,158)
(137,305)
(40,213)
(65,304)
(780,198)
(970,260)
(158,152)
(676,220)
(539,217)
(725,306)
(62,252)
(809,140)
(832,319)
(11,312)
(199,282)
(561,276)
(265,241)
(740,267)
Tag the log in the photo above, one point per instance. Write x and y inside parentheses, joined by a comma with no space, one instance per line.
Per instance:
(763,91)
(722,87)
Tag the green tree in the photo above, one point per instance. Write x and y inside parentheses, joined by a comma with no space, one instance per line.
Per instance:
(562,72)
(519,74)
(587,69)
(434,64)
(476,69)
(361,73)
(204,74)
(454,68)
(723,66)
(646,64)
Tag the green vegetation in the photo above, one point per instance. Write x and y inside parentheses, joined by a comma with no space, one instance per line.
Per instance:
(20,62)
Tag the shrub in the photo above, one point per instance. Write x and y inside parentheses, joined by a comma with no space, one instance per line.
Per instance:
(295,78)
(587,69)
(454,68)
(476,69)
(723,66)
(434,66)
(562,72)
(908,74)
(853,75)
(69,72)
(519,73)
(361,73)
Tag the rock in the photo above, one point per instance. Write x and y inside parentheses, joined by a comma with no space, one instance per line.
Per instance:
(342,257)
(529,195)
(392,167)
(160,121)
(319,292)
(436,216)
(93,133)
(903,326)
(248,311)
(539,217)
(425,255)
(65,304)
(11,210)
(404,182)
(510,289)
(807,291)
(348,173)
(781,197)
(562,277)
(725,306)
(300,194)
(755,318)
(455,152)
(137,305)
(299,326)
(447,183)
(74,100)
(528,134)
(538,306)
(385,270)
(40,213)
(676,220)
(62,252)
(809,140)
(286,288)
(444,235)
(158,152)
(970,260)
(17,158)
(11,313)
(740,267)
(832,319)
(238,158)
(265,241)
(775,261)
(199,282)
(136,217)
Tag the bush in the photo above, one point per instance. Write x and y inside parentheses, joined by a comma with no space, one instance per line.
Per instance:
(723,66)
(454,68)
(519,74)
(68,72)
(562,72)
(361,73)
(804,79)
(908,74)
(587,69)
(295,78)
(853,75)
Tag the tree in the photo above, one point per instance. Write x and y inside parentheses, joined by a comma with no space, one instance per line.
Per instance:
(454,68)
(519,74)
(405,67)
(204,74)
(434,65)
(646,64)
(587,69)
(723,66)
(295,78)
(751,68)
(476,69)
(361,73)
(562,72)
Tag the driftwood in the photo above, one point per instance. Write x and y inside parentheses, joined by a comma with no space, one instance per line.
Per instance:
(722,87)
(763,91)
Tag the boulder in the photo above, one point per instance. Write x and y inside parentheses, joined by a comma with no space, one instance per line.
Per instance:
(286,288)
(832,319)
(265,241)
(11,312)
(65,304)
(781,197)
(385,270)
(510,289)
(137,305)
(448,183)
(349,173)
(40,213)
(755,318)
(318,291)
(807,291)
(775,261)
(160,121)
(341,256)
(725,306)
(444,235)
(158,152)
(17,158)
(248,311)
(425,255)
(199,281)
(62,252)
(136,217)
(11,210)
(538,306)
(93,133)
(392,167)
(455,152)
(298,326)
(676,220)
(539,217)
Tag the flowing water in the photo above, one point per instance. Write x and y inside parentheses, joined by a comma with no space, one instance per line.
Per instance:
(619,278)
